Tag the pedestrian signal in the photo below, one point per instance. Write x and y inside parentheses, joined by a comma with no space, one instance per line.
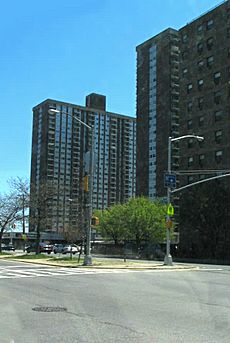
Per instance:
(86,183)
(95,221)
(170,210)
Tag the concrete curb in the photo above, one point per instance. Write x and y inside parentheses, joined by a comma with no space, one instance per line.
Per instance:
(148,267)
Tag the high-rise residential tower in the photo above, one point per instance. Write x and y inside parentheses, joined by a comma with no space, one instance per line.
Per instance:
(183,87)
(157,109)
(59,157)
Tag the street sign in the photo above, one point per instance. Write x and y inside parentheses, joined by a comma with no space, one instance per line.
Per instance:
(170,180)
(170,210)
(169,223)
(24,237)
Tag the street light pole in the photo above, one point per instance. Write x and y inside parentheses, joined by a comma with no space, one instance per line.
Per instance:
(168,258)
(87,257)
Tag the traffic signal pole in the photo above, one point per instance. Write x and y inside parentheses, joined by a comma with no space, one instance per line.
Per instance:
(168,257)
(88,257)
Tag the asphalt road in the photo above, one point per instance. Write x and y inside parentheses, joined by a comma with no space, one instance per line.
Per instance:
(45,304)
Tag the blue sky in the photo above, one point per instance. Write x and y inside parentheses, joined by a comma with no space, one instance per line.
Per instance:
(66,49)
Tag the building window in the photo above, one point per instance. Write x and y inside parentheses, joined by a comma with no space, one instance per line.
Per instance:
(190,143)
(190,161)
(184,55)
(218,156)
(218,115)
(209,43)
(217,97)
(228,32)
(189,87)
(190,178)
(200,64)
(200,47)
(209,24)
(189,106)
(200,28)
(185,38)
(228,12)
(228,52)
(210,61)
(218,136)
(201,160)
(189,124)
(200,103)
(201,143)
(201,121)
(216,78)
(200,84)
(184,71)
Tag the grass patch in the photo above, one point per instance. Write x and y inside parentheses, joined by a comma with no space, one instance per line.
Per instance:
(4,254)
(32,257)
(112,262)
(67,260)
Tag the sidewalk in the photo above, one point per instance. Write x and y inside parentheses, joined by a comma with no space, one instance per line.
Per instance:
(98,263)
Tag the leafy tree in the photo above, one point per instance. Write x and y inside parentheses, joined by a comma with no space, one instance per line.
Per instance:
(112,223)
(139,219)
(145,220)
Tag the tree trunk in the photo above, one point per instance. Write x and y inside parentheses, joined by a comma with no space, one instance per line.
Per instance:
(38,233)
(138,241)
(1,241)
(1,234)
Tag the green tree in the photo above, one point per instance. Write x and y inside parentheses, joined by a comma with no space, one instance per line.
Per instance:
(145,220)
(111,223)
(139,220)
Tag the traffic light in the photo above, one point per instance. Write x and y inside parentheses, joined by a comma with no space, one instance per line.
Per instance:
(95,221)
(86,183)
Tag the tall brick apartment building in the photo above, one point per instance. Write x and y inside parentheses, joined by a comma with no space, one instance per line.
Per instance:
(59,147)
(183,87)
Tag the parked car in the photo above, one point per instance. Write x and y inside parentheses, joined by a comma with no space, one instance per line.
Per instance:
(8,247)
(67,249)
(43,247)
(58,248)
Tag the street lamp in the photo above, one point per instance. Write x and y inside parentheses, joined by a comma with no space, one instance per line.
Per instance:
(87,257)
(168,257)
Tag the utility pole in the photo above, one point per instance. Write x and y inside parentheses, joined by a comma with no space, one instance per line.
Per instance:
(23,214)
(168,257)
(88,257)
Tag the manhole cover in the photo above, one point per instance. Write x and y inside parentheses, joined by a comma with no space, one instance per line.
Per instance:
(49,309)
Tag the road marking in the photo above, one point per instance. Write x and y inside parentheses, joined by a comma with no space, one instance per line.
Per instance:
(12,272)
(210,269)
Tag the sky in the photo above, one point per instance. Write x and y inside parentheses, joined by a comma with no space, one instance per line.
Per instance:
(67,49)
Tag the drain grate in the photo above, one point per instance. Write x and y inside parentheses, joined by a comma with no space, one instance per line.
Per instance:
(49,309)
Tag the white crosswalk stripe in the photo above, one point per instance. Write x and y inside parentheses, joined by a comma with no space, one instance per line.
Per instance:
(30,271)
(17,272)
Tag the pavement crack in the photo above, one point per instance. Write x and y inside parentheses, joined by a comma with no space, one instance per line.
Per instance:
(119,325)
(217,305)
(87,316)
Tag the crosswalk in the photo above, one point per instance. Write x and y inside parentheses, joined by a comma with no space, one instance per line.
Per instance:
(14,272)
